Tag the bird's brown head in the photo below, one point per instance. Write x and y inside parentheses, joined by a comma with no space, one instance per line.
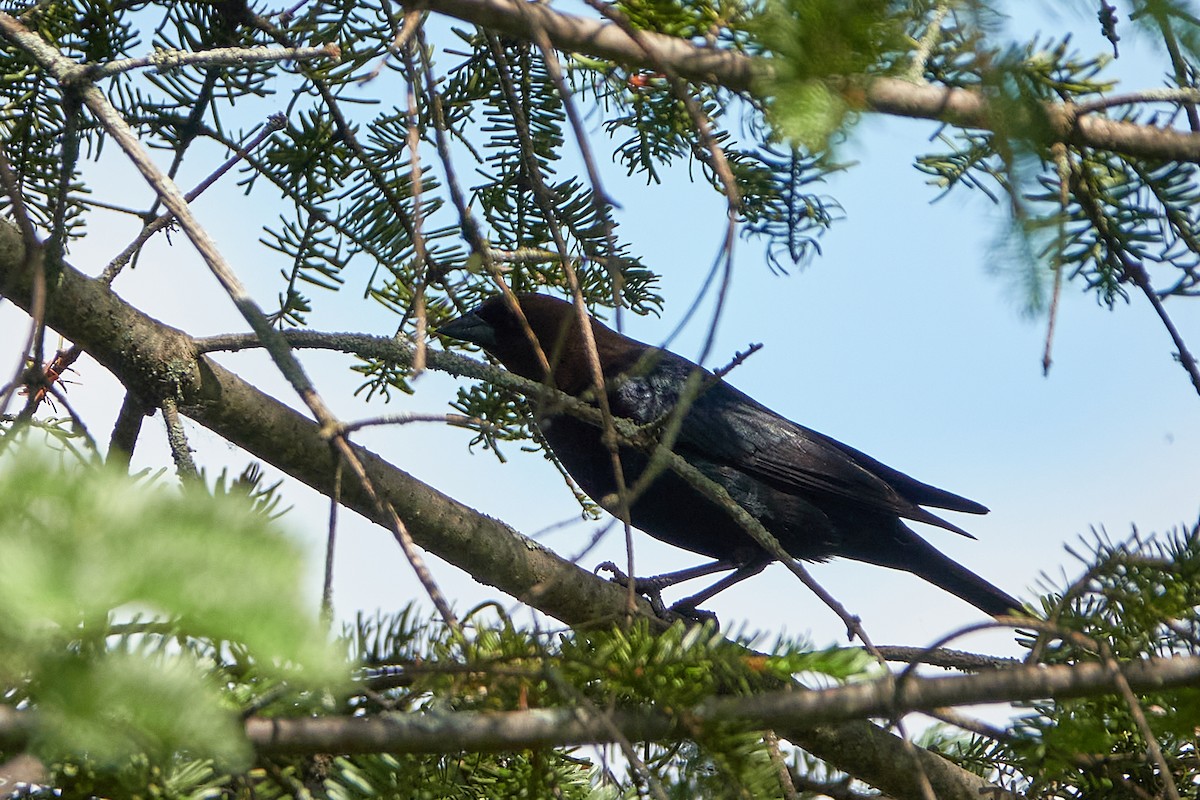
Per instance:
(498,328)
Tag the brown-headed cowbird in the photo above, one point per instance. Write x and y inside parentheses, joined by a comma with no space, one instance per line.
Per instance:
(817,496)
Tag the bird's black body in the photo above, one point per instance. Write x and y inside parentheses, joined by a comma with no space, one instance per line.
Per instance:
(818,497)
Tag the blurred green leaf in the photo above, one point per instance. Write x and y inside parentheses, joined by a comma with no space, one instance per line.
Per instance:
(816,49)
(86,543)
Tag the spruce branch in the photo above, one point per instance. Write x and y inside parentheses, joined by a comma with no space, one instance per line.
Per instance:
(739,73)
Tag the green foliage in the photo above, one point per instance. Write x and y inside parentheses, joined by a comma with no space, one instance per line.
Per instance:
(1119,209)
(249,486)
(538,774)
(501,667)
(817,49)
(1137,599)
(777,206)
(148,708)
(88,544)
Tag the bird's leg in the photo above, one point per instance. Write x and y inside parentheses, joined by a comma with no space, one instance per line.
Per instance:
(651,588)
(687,606)
(656,583)
(643,586)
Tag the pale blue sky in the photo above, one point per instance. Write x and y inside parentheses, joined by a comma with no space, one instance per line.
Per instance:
(900,341)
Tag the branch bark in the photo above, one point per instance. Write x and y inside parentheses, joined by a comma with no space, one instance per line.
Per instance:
(741,73)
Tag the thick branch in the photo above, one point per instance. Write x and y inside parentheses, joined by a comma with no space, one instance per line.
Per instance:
(970,110)
(156,361)
(740,73)
(582,35)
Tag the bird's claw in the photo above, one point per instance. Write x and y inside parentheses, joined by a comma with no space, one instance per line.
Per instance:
(609,566)
(647,586)
(651,589)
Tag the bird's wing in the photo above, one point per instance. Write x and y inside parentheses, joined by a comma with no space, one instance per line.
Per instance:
(727,426)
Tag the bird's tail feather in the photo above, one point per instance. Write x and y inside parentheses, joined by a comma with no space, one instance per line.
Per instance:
(913,554)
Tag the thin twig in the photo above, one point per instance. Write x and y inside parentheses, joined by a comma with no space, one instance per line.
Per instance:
(165,60)
(346,132)
(719,163)
(335,500)
(408,29)
(1144,96)
(1180,64)
(1134,705)
(786,784)
(956,718)
(457,420)
(77,423)
(1062,161)
(69,157)
(34,262)
(601,202)
(606,721)
(274,123)
(928,41)
(1134,271)
(468,225)
(421,267)
(949,659)
(738,359)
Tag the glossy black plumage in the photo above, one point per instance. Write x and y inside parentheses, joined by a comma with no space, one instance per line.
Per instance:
(819,497)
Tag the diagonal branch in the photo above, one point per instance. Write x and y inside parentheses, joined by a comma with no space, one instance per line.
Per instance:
(155,361)
(66,72)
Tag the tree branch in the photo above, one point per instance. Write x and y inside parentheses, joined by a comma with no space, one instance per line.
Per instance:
(492,731)
(740,73)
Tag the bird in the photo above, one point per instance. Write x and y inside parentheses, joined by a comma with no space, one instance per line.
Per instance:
(818,497)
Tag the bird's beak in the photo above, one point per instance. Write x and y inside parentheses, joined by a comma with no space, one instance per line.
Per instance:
(470,328)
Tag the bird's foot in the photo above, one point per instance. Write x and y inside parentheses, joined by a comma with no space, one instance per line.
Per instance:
(646,587)
(651,588)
